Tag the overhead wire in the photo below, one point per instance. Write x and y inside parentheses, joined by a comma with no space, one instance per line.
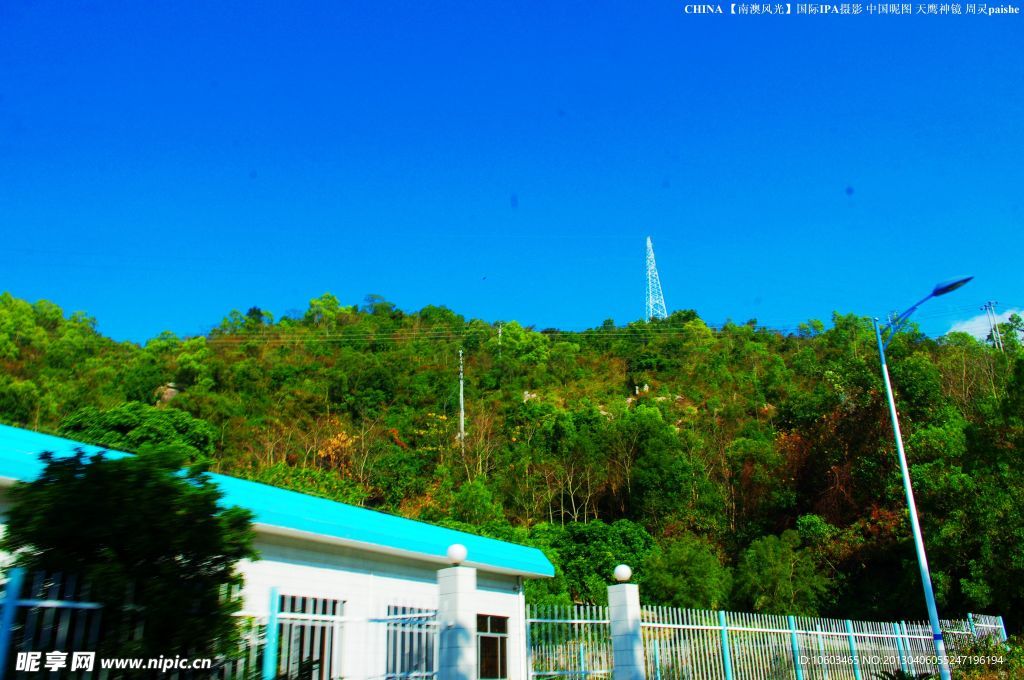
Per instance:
(274,337)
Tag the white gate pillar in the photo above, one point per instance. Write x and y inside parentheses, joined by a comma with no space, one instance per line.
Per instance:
(456,618)
(627,637)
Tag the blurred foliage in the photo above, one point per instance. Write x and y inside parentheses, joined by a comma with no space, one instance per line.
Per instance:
(152,542)
(705,458)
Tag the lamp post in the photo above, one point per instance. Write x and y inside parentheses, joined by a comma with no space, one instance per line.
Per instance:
(922,560)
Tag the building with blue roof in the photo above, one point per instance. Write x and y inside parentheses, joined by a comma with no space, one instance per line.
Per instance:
(325,565)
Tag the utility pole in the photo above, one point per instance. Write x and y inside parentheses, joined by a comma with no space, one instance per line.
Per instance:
(462,408)
(993,323)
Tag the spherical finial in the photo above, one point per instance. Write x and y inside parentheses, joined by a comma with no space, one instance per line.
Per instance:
(623,573)
(457,553)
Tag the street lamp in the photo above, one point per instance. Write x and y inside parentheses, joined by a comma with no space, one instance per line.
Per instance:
(922,560)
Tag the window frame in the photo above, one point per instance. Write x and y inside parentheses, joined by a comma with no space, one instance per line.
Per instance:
(486,630)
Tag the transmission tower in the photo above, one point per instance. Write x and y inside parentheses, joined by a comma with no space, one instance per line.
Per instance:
(655,298)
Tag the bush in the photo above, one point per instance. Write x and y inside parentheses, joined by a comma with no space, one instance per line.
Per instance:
(988,658)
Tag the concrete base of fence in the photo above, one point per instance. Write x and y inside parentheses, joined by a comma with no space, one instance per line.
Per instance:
(456,616)
(627,638)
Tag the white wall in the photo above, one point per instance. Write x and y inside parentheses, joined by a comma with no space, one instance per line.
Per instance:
(368,583)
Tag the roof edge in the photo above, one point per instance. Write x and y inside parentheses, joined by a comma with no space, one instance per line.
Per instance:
(288,532)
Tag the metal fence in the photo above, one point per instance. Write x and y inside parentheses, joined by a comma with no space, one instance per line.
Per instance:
(247,663)
(688,644)
(312,638)
(46,613)
(407,639)
(568,641)
(51,615)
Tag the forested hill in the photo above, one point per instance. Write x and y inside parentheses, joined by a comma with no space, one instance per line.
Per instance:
(734,467)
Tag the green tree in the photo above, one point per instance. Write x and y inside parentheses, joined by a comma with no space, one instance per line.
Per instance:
(686,571)
(133,426)
(590,551)
(673,489)
(473,503)
(153,542)
(775,576)
(19,400)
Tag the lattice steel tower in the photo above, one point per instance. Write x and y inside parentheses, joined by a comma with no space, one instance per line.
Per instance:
(655,298)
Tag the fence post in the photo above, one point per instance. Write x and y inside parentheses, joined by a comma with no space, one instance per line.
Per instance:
(900,648)
(627,636)
(12,591)
(853,650)
(970,622)
(726,655)
(530,612)
(270,647)
(821,651)
(1002,628)
(456,617)
(795,643)
(906,645)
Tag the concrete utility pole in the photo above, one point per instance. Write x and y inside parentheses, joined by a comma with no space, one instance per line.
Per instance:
(462,408)
(993,323)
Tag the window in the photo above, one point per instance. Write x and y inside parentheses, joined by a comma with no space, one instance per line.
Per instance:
(492,646)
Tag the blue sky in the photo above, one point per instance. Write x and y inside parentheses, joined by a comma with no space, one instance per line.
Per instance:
(163,163)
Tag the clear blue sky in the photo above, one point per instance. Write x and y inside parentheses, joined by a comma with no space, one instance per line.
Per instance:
(162,163)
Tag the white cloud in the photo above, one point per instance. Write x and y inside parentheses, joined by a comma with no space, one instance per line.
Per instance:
(978,325)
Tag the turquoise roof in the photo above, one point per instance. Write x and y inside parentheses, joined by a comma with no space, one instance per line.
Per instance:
(293,511)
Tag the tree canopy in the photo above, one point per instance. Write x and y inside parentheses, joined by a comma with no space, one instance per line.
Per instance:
(709,444)
(151,540)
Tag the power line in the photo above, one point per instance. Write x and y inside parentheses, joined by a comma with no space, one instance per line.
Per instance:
(452,335)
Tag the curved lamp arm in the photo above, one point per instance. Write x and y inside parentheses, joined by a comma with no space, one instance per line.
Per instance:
(894,326)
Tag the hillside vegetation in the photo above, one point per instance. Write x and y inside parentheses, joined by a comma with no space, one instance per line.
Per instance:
(735,467)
